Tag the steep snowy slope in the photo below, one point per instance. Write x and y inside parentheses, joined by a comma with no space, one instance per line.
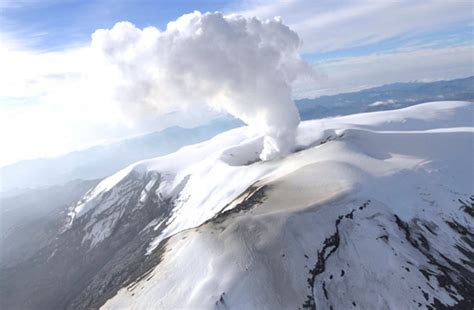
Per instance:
(373,211)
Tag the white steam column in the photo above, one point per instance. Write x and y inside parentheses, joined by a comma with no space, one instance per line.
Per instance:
(244,66)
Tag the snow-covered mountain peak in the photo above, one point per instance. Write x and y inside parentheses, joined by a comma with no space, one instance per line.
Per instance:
(370,211)
(365,200)
(203,179)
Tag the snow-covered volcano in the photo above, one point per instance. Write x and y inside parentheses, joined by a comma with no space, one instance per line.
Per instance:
(373,211)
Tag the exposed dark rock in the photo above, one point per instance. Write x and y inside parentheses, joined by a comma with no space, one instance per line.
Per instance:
(330,245)
(457,279)
(253,196)
(468,205)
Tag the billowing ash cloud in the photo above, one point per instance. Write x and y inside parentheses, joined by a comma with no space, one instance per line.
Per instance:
(244,66)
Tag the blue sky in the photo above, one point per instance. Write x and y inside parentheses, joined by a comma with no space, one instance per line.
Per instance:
(351,44)
(455,34)
(56,24)
(50,25)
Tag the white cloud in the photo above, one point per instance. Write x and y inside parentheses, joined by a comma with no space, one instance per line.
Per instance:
(355,73)
(57,102)
(333,25)
(46,106)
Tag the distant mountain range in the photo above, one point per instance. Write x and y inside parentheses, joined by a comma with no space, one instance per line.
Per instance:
(386,97)
(101,161)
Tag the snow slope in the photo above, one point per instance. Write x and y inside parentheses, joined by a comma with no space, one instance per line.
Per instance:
(372,211)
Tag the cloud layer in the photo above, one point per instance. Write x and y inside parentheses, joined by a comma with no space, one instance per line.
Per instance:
(327,25)
(348,74)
